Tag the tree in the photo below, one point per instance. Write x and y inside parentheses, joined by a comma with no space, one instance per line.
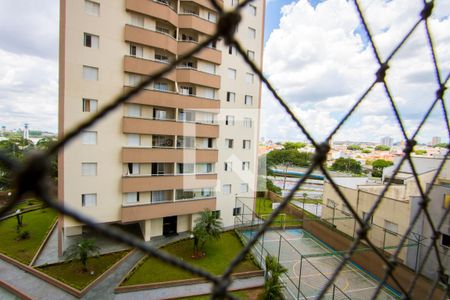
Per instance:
(82,250)
(382,148)
(378,166)
(288,157)
(272,286)
(207,227)
(272,187)
(348,165)
(440,145)
(293,145)
(43,145)
(354,147)
(15,147)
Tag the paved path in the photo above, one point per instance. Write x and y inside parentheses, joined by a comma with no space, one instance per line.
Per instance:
(29,284)
(187,290)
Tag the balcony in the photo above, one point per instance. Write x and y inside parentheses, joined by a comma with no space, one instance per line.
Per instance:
(150,38)
(208,54)
(191,21)
(154,9)
(174,100)
(198,77)
(167,182)
(168,127)
(159,210)
(206,3)
(145,67)
(168,155)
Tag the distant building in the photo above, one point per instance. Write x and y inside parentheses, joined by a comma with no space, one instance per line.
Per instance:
(435,140)
(387,141)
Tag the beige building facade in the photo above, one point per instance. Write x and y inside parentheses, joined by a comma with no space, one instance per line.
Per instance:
(186,143)
(393,215)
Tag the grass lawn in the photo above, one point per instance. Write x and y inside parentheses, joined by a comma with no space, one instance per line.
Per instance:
(264,208)
(250,294)
(71,272)
(219,254)
(37,223)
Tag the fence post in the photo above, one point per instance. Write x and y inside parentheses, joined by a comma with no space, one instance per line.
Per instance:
(279,249)
(299,276)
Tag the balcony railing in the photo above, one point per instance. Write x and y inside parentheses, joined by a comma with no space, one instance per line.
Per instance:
(137,212)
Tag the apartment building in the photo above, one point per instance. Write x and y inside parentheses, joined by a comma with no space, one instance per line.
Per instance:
(395,213)
(186,143)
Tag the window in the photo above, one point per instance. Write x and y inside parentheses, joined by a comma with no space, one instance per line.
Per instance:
(92,8)
(212,17)
(162,58)
(185,142)
(229,120)
(132,197)
(186,115)
(234,2)
(251,10)
(204,168)
(251,33)
(232,50)
(136,50)
(91,40)
(186,90)
(208,118)
(161,86)
(159,114)
(186,168)
(209,93)
(231,97)
(133,139)
(88,200)
(228,166)
(162,29)
(364,214)
(446,201)
(227,189)
(134,79)
(251,54)
(209,143)
(134,110)
(236,211)
(158,196)
(89,105)
(133,169)
(391,226)
(231,73)
(445,240)
(88,169)
(229,143)
(248,100)
(345,210)
(90,73)
(248,122)
(249,77)
(246,144)
(137,20)
(243,188)
(331,203)
(215,214)
(208,67)
(89,137)
(245,165)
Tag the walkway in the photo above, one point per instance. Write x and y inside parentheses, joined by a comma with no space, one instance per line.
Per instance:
(31,285)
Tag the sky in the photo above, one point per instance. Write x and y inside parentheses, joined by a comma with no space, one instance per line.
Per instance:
(316,56)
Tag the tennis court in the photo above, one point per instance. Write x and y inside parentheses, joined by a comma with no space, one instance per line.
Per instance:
(310,263)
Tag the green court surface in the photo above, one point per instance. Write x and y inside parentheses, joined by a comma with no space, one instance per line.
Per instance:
(310,263)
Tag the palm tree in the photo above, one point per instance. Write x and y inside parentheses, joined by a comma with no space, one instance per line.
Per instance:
(207,227)
(81,251)
(272,286)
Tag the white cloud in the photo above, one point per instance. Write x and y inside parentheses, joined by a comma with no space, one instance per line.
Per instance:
(320,64)
(28,91)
